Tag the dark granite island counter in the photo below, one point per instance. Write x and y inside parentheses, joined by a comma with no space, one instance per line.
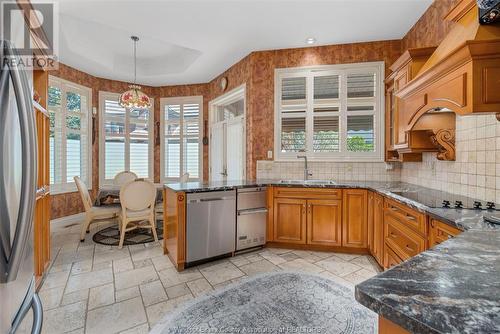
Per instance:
(451,288)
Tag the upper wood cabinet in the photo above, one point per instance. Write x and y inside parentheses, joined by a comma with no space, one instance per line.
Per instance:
(290,220)
(324,225)
(355,218)
(440,232)
(403,70)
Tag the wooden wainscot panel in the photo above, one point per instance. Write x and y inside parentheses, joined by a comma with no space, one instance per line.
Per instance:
(355,219)
(174,226)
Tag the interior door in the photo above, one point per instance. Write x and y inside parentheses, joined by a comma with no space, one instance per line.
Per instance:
(217,152)
(234,143)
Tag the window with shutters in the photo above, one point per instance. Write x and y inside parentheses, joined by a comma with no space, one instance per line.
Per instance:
(70,146)
(181,143)
(330,112)
(126,139)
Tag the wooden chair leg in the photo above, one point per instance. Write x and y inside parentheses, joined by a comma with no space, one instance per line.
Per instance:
(122,234)
(85,227)
(153,228)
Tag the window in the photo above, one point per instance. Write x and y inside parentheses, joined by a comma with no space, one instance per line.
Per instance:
(331,112)
(181,145)
(70,135)
(126,140)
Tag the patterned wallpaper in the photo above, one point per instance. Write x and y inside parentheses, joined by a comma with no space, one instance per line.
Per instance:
(430,29)
(257,71)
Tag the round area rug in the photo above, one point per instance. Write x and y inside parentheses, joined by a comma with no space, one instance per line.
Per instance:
(110,236)
(281,302)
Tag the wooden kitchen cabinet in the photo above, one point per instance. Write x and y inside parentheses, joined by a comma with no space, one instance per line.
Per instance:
(390,258)
(290,220)
(355,218)
(377,248)
(41,219)
(440,232)
(324,222)
(371,209)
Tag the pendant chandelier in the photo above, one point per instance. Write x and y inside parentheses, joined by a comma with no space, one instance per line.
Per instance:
(134,97)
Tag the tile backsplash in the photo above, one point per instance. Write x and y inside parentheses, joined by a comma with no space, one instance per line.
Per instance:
(475,173)
(345,171)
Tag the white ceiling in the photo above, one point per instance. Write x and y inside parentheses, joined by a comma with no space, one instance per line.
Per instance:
(185,42)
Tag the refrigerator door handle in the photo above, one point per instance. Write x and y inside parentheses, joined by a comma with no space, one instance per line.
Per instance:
(33,303)
(29,156)
(37,315)
(5,247)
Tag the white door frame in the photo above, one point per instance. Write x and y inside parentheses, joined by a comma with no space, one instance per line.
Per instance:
(231,96)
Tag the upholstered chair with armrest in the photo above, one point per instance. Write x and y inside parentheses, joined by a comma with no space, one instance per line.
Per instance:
(93,213)
(137,199)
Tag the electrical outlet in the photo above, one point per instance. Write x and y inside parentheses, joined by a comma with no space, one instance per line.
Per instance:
(269,154)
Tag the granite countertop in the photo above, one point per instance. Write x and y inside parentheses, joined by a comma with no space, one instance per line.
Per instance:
(451,288)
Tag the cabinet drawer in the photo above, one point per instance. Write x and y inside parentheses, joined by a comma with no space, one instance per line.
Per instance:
(440,232)
(390,258)
(403,241)
(407,216)
(313,193)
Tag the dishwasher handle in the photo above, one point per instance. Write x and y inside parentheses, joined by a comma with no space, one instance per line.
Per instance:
(214,199)
(252,211)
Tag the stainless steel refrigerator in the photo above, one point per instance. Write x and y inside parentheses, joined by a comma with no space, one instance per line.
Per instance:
(17,198)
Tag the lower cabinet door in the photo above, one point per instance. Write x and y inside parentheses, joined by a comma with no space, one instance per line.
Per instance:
(355,218)
(324,222)
(290,220)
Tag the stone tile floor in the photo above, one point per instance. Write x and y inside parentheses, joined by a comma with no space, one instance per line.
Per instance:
(92,288)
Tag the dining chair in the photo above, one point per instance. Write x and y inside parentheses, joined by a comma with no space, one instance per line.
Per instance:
(184,178)
(93,213)
(124,177)
(137,199)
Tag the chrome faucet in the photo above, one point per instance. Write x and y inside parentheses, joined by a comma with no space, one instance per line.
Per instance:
(306,170)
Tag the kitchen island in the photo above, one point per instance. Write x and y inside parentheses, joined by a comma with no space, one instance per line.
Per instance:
(453,287)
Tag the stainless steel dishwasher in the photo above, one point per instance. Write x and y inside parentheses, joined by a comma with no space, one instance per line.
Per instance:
(252,218)
(211,225)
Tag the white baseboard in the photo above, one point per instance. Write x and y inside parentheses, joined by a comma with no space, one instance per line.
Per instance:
(68,219)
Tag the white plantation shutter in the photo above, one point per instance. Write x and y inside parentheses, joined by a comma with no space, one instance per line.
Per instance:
(331,112)
(181,143)
(70,134)
(126,139)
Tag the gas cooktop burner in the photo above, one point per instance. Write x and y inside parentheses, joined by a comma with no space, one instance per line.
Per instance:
(441,199)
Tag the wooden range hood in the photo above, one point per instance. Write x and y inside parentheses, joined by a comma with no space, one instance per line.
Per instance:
(461,76)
